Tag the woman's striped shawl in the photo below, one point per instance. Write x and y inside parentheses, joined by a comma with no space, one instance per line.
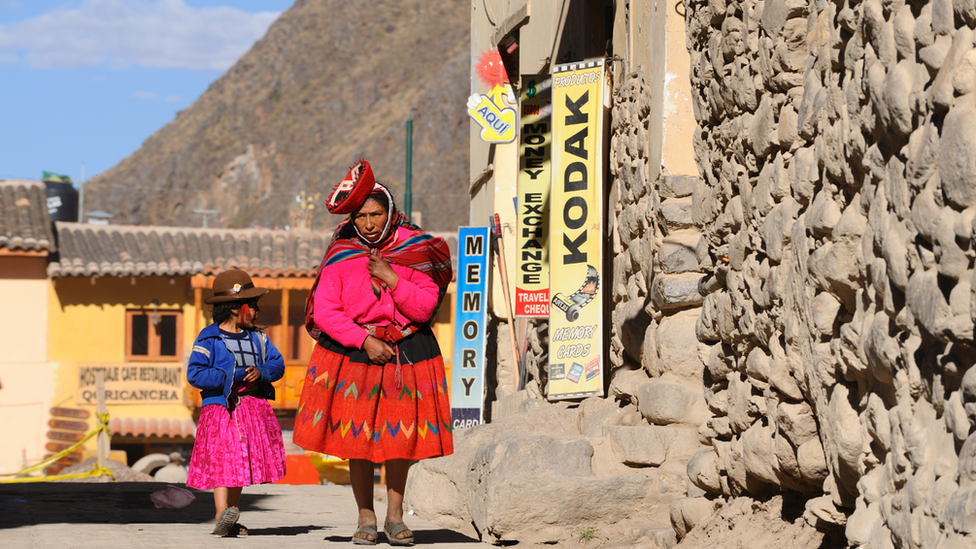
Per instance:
(421,251)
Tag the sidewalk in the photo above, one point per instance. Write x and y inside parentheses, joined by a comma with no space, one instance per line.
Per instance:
(121,515)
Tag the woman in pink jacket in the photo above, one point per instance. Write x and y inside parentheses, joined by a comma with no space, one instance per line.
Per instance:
(375,391)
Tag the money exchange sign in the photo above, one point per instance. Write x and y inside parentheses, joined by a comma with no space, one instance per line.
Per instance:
(576,242)
(535,174)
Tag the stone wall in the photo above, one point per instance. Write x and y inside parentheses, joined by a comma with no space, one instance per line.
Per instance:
(837,144)
(655,271)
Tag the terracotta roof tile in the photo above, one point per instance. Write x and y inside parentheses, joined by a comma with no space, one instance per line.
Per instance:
(24,221)
(127,250)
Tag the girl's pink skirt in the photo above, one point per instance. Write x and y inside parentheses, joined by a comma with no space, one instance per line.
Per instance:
(238,448)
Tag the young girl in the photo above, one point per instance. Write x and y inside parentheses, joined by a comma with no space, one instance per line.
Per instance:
(233,363)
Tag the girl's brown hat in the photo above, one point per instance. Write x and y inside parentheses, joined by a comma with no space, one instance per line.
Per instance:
(234,285)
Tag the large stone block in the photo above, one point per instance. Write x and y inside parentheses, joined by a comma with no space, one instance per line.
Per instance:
(675,214)
(743,408)
(667,400)
(703,470)
(437,488)
(631,323)
(776,229)
(957,163)
(520,456)
(678,186)
(686,513)
(897,97)
(628,226)
(846,443)
(625,383)
(796,421)
(652,445)
(513,508)
(678,252)
(676,291)
(926,302)
(757,452)
(597,415)
(678,348)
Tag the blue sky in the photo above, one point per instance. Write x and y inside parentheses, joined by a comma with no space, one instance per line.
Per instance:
(87,81)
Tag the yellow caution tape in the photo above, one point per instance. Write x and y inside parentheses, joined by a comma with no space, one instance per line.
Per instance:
(325,460)
(97,471)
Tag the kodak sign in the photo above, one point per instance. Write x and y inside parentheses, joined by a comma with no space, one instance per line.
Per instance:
(576,356)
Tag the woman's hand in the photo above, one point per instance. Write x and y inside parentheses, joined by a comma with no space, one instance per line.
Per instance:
(380,268)
(379,351)
(251,374)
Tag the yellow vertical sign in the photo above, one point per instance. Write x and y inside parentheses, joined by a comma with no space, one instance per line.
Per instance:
(535,173)
(576,241)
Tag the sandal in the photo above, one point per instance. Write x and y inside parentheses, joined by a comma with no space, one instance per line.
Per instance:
(393,529)
(226,521)
(368,530)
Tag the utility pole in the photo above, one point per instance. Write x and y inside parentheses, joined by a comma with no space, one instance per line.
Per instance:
(81,196)
(104,442)
(408,192)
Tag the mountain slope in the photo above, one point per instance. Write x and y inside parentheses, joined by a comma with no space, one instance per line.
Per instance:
(331,81)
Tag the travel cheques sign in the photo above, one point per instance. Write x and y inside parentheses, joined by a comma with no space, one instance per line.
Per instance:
(535,174)
(471,319)
(576,241)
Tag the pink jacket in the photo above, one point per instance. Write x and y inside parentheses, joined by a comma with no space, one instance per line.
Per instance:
(344,300)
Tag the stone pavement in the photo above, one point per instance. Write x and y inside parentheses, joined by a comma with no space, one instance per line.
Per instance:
(121,515)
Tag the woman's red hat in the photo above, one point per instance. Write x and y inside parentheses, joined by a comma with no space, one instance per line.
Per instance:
(352,191)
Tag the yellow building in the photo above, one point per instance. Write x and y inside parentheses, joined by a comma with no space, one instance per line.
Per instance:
(26,377)
(128,300)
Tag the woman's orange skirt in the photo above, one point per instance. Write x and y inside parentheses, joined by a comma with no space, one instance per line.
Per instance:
(352,409)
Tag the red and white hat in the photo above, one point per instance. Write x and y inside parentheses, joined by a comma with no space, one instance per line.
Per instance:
(352,191)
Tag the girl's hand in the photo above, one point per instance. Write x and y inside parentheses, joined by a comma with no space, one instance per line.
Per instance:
(380,268)
(379,351)
(251,374)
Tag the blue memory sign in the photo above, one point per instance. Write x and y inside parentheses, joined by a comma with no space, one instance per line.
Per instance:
(470,321)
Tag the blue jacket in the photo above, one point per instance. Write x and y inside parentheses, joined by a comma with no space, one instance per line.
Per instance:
(211,366)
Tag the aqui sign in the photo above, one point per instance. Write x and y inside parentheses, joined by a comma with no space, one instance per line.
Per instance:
(535,174)
(576,242)
(471,319)
(497,120)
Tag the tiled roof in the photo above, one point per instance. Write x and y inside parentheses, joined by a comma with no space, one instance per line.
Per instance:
(126,250)
(24,222)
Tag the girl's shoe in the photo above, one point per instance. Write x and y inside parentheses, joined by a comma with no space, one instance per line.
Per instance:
(369,530)
(226,521)
(393,529)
